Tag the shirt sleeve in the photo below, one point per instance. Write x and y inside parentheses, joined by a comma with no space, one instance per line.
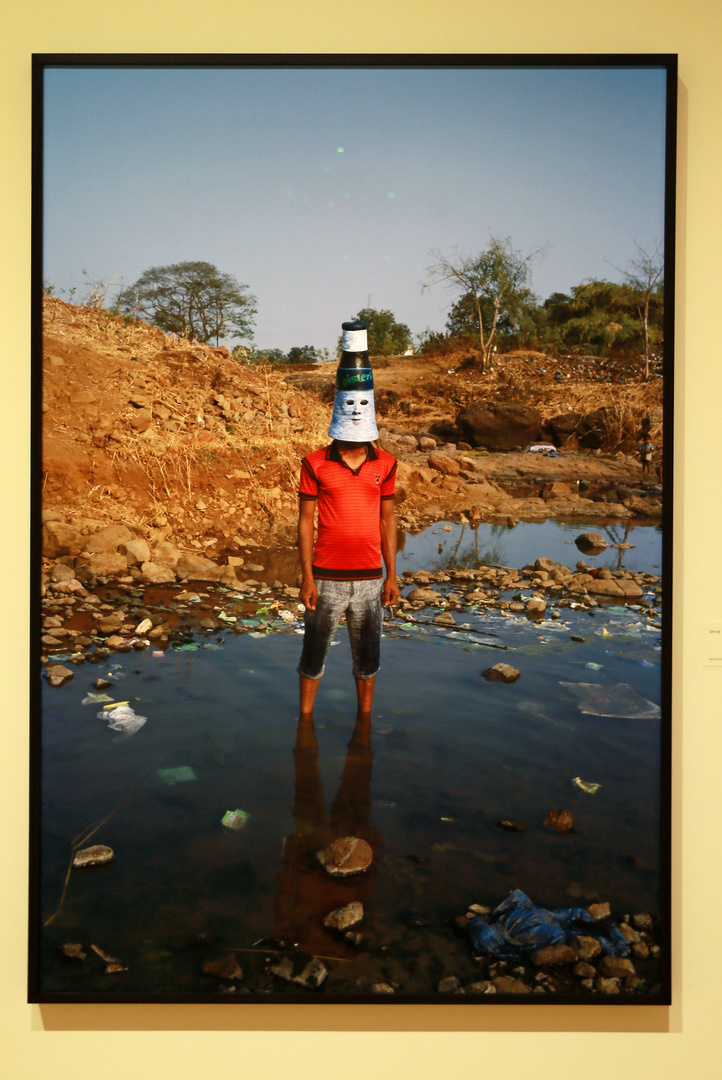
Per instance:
(388,487)
(308,487)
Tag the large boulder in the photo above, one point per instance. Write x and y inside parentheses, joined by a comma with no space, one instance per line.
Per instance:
(109,539)
(59,539)
(499,425)
(561,427)
(135,551)
(102,564)
(196,568)
(153,574)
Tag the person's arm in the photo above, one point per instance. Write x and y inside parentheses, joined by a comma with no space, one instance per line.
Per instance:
(391,594)
(309,592)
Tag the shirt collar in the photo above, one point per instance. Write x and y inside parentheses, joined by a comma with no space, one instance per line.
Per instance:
(334,454)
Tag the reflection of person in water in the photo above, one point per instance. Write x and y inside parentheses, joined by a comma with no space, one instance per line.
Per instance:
(306,893)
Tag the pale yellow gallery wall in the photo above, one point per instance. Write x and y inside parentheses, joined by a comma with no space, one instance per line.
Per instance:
(681,1043)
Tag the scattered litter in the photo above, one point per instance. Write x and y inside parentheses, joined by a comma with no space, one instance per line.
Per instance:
(235,819)
(448,819)
(92,698)
(260,633)
(189,646)
(287,616)
(115,704)
(585,785)
(227,618)
(212,646)
(618,700)
(594,667)
(176,776)
(123,718)
(520,928)
(157,654)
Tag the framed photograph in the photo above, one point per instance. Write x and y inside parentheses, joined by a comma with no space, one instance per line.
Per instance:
(352,504)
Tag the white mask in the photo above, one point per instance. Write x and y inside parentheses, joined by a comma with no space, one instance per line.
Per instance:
(354,416)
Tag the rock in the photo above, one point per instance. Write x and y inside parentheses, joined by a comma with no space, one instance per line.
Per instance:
(505,984)
(135,551)
(424,596)
(353,938)
(102,684)
(599,911)
(449,985)
(606,986)
(109,539)
(479,909)
(444,464)
(604,587)
(628,933)
(59,539)
(382,988)
(427,442)
(72,952)
(61,572)
(141,420)
(561,427)
(445,619)
(553,954)
(559,820)
(585,971)
(498,425)
(558,489)
(57,675)
(165,554)
(642,922)
(96,855)
(640,950)
(118,643)
(196,568)
(616,966)
(225,967)
(591,543)
(345,856)
(153,574)
(140,401)
(484,986)
(301,968)
(345,917)
(586,948)
(536,606)
(501,673)
(107,564)
(511,825)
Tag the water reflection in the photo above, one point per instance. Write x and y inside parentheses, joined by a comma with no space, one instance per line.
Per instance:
(306,893)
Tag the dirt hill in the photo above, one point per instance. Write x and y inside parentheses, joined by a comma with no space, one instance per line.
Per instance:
(182,442)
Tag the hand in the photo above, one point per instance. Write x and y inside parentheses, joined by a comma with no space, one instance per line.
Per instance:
(309,594)
(391,593)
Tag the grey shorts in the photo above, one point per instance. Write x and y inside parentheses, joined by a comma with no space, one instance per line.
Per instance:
(360,602)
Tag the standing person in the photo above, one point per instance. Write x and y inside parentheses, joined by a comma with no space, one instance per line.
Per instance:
(646,449)
(352,483)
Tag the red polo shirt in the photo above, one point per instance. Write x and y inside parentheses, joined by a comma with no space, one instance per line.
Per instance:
(348,547)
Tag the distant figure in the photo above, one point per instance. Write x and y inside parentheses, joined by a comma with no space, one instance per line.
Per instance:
(352,484)
(646,449)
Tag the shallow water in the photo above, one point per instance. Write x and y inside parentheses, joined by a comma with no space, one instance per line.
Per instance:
(451,754)
(499,545)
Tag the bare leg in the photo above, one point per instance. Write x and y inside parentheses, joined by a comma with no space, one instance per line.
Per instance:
(307,695)
(365,694)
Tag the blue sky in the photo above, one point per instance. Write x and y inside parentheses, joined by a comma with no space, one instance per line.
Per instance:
(320,189)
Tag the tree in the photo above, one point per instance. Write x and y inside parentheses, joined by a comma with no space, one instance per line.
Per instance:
(386,337)
(193,300)
(646,278)
(302,354)
(496,282)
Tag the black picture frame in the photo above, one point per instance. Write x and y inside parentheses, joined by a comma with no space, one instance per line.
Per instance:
(660,994)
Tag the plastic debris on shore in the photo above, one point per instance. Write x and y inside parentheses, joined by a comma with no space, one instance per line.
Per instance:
(91,698)
(586,785)
(123,718)
(619,700)
(235,819)
(517,927)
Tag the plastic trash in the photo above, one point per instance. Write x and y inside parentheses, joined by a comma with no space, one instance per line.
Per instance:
(157,654)
(92,698)
(178,775)
(123,718)
(235,819)
(189,646)
(227,618)
(619,700)
(593,667)
(518,927)
(586,785)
